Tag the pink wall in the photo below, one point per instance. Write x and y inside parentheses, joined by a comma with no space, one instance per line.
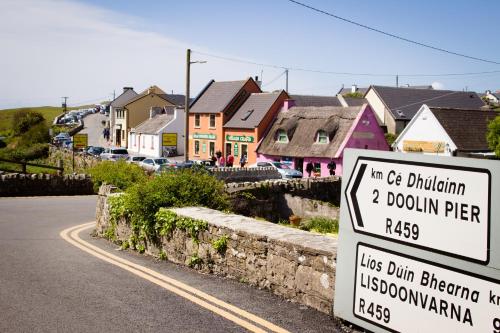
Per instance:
(364,134)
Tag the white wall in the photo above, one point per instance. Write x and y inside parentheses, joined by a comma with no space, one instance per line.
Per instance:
(425,127)
(377,105)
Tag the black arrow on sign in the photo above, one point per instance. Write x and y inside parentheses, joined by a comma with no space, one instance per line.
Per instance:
(354,199)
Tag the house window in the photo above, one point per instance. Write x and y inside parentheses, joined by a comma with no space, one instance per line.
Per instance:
(196,120)
(282,137)
(212,121)
(196,147)
(211,148)
(322,137)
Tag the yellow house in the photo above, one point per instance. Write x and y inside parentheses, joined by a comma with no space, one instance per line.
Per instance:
(138,110)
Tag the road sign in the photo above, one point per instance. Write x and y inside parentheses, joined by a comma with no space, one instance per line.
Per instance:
(406,294)
(169,139)
(419,243)
(419,203)
(80,141)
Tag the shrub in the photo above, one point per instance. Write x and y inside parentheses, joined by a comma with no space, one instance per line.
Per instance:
(23,120)
(390,138)
(120,174)
(321,224)
(220,244)
(493,135)
(35,151)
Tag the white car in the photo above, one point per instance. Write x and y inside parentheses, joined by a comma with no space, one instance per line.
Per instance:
(284,170)
(153,164)
(114,154)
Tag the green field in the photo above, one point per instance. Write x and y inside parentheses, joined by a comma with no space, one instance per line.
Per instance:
(49,112)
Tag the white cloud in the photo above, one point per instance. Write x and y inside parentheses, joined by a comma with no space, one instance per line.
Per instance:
(54,48)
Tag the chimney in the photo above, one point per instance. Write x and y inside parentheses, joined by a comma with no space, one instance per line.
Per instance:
(259,83)
(288,104)
(354,88)
(127,88)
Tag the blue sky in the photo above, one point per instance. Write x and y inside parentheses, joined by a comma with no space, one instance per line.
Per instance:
(141,43)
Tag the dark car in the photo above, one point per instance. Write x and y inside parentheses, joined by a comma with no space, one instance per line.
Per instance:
(95,151)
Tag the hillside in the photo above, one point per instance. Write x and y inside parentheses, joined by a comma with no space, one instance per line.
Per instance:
(49,113)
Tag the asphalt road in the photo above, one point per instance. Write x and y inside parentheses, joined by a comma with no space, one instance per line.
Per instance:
(50,285)
(93,127)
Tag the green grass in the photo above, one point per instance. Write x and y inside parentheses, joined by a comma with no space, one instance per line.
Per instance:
(48,112)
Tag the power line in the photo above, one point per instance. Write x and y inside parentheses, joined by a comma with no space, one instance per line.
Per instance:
(393,35)
(244,61)
(273,80)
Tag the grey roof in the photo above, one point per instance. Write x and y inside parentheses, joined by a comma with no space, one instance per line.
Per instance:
(351,101)
(124,98)
(253,110)
(302,124)
(311,100)
(403,103)
(216,96)
(153,125)
(467,128)
(178,100)
(348,90)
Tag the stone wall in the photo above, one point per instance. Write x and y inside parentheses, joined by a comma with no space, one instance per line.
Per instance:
(298,265)
(276,200)
(238,175)
(19,185)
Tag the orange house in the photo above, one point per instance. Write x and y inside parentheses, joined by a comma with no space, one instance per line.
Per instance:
(249,124)
(211,110)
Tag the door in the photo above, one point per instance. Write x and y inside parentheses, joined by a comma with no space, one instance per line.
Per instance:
(118,136)
(299,164)
(228,149)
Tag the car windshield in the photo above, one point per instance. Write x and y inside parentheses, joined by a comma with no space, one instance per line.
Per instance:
(161,161)
(281,165)
(120,151)
(138,158)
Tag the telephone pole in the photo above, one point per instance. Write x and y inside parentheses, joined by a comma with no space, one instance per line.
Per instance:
(186,105)
(286,75)
(64,104)
(397,81)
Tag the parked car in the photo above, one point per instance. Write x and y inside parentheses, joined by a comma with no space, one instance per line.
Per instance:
(135,159)
(283,169)
(154,164)
(60,138)
(114,154)
(95,151)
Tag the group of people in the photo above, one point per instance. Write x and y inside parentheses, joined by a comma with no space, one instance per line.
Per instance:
(227,161)
(331,168)
(105,133)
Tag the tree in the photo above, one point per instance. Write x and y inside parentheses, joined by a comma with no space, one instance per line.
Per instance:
(493,135)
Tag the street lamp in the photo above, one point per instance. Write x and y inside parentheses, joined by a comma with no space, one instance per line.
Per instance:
(186,103)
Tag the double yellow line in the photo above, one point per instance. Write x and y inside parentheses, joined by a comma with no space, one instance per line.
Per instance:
(230,312)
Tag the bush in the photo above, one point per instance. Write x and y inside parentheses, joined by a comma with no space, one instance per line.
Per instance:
(23,120)
(322,225)
(493,135)
(390,138)
(35,151)
(120,174)
(177,188)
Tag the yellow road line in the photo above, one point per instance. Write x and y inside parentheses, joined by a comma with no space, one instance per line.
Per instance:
(175,286)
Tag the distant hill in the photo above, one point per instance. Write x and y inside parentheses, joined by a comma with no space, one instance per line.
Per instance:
(49,112)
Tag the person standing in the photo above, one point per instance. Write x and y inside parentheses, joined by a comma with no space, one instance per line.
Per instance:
(230,161)
(331,167)
(243,161)
(222,162)
(309,168)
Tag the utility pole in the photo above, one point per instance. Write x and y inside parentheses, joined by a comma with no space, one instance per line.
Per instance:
(397,81)
(114,94)
(286,75)
(186,105)
(64,104)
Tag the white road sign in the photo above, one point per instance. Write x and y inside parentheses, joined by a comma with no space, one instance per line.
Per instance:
(400,293)
(440,207)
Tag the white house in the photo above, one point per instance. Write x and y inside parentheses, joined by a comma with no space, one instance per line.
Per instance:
(163,131)
(492,97)
(445,132)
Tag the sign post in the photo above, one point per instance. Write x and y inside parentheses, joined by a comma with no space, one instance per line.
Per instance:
(80,141)
(418,247)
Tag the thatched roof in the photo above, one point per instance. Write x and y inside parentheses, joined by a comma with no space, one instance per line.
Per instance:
(302,125)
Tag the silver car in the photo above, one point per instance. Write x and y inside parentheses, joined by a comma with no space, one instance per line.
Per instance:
(114,154)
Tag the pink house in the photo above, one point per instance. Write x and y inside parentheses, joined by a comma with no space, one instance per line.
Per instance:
(318,136)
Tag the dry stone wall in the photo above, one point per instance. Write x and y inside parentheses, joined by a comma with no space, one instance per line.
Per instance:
(18,184)
(298,265)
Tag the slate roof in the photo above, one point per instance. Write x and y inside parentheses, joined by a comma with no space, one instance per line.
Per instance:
(318,101)
(216,96)
(175,99)
(467,128)
(302,124)
(153,125)
(123,99)
(253,110)
(355,101)
(348,90)
(403,103)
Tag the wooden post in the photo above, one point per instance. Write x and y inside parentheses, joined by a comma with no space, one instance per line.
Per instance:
(60,164)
